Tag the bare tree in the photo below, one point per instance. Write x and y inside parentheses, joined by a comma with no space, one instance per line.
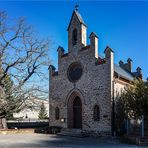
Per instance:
(24,58)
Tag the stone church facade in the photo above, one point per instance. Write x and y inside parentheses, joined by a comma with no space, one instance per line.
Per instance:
(82,91)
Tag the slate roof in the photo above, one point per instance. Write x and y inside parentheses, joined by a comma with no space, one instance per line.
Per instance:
(121,72)
(79,17)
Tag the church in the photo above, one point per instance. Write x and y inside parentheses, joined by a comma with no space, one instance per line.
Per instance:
(83,90)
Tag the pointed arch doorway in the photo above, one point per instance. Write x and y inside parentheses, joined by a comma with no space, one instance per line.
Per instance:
(77,113)
(74,112)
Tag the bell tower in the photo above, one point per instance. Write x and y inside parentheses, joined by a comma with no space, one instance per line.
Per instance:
(76,32)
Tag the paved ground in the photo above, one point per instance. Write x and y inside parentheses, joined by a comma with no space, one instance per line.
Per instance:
(53,141)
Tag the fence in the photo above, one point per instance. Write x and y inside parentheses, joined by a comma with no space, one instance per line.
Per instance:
(137,127)
(146,126)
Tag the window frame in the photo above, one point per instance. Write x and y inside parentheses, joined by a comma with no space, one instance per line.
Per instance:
(57,113)
(75,65)
(74,36)
(96,113)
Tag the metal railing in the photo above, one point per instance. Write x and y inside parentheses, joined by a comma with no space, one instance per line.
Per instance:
(137,127)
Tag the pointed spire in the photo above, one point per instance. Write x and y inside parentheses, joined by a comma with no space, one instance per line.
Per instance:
(129,60)
(76,7)
(93,34)
(79,17)
(52,67)
(108,49)
(60,48)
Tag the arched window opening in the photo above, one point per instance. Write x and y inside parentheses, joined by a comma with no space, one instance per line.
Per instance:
(96,113)
(74,37)
(57,113)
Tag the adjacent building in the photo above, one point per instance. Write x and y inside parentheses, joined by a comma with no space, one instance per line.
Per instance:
(82,91)
(31,109)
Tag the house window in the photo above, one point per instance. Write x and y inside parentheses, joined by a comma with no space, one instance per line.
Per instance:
(74,37)
(57,113)
(96,113)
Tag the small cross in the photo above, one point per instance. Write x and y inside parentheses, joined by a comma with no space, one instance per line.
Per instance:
(76,7)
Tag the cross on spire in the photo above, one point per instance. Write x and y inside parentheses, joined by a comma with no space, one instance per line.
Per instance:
(76,7)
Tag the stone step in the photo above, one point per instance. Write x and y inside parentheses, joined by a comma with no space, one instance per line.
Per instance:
(72,130)
(143,141)
(146,133)
(72,133)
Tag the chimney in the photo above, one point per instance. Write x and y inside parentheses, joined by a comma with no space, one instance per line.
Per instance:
(129,63)
(121,63)
(126,66)
(138,69)
(94,43)
(139,72)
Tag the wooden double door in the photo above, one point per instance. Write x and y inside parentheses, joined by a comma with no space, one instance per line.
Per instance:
(77,113)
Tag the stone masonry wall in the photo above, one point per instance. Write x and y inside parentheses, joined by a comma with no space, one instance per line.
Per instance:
(94,86)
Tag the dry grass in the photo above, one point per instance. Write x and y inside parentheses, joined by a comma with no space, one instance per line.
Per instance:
(17,131)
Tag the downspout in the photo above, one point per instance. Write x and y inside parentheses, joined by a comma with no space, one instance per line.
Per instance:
(113,112)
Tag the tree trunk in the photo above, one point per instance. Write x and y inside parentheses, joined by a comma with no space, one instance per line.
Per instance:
(3,123)
(1,126)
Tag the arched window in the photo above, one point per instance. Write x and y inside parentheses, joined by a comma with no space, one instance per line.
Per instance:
(74,37)
(57,113)
(96,113)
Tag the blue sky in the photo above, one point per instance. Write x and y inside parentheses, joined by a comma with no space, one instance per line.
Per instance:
(121,25)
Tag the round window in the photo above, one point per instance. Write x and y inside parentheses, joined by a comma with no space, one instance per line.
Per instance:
(75,72)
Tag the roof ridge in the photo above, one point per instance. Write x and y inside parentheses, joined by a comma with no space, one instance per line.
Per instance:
(123,72)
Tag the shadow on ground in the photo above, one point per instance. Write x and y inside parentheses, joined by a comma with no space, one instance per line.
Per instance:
(42,140)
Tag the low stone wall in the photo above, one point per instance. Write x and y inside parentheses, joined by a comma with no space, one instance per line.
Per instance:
(96,133)
(17,124)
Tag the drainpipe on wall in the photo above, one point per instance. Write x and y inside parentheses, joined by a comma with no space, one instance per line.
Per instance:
(142,129)
(113,112)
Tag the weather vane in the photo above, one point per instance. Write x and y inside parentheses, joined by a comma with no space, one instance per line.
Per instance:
(76,7)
